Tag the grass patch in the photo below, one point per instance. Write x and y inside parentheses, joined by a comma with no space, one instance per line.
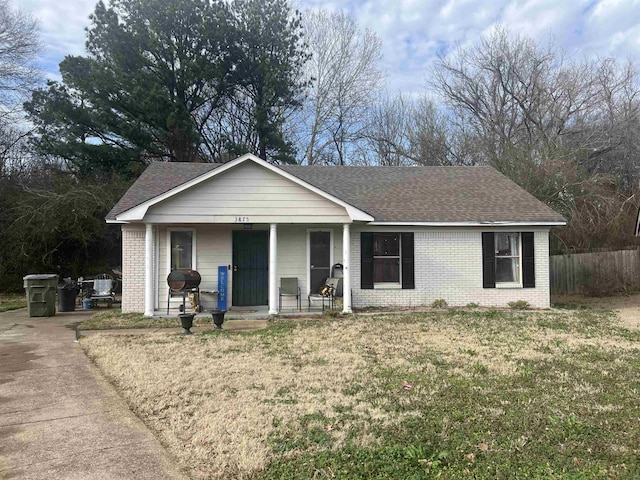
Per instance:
(457,394)
(115,319)
(12,301)
(568,306)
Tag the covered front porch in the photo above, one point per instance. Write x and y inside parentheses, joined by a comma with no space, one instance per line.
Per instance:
(246,222)
(244,267)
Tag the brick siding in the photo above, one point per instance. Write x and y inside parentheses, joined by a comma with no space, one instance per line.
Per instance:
(133,268)
(448,265)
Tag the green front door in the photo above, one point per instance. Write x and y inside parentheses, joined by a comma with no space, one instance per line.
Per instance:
(250,268)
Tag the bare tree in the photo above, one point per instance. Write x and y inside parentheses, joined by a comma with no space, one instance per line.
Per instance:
(516,95)
(19,48)
(607,138)
(14,157)
(347,77)
(402,130)
(567,131)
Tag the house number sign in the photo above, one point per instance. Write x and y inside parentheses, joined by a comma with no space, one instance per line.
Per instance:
(242,220)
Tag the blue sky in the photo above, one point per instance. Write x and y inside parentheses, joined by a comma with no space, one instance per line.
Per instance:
(413,32)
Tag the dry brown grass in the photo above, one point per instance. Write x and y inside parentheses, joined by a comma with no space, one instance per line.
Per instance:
(216,400)
(627,307)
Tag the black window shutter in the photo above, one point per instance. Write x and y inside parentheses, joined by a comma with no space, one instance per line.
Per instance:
(488,260)
(366,260)
(408,277)
(528,261)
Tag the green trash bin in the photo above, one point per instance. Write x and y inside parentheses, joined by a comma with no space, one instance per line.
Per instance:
(41,294)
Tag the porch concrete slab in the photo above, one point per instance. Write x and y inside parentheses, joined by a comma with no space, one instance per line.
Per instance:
(59,419)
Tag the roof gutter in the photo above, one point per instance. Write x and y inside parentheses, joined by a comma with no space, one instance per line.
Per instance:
(469,224)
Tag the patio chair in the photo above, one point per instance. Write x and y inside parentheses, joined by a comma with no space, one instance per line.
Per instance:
(103,290)
(289,288)
(327,294)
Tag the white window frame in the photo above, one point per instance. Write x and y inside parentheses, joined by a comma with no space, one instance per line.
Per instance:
(331,248)
(389,285)
(517,284)
(193,247)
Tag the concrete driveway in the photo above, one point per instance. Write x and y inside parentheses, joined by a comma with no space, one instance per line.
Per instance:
(59,419)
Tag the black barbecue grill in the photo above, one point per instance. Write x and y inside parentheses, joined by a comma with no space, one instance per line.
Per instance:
(184,281)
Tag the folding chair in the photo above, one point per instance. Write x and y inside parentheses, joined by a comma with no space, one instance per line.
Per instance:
(327,293)
(289,288)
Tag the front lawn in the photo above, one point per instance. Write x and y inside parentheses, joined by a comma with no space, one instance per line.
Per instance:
(449,395)
(12,301)
(114,319)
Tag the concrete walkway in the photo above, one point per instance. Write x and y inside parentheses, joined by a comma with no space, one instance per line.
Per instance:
(58,418)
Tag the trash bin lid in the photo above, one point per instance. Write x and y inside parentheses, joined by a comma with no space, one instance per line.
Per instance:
(41,276)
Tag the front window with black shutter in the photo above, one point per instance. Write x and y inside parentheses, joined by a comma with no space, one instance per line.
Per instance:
(387,260)
(508,259)
(508,263)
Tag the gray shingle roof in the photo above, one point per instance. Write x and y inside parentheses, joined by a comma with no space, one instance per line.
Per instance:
(389,194)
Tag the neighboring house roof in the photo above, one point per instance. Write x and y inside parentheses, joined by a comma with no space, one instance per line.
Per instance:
(388,194)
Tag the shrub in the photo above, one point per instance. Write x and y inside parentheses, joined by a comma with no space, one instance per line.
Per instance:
(473,305)
(439,303)
(605,282)
(519,305)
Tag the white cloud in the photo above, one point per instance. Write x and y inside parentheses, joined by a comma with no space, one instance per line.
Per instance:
(414,31)
(62,25)
(613,27)
(538,18)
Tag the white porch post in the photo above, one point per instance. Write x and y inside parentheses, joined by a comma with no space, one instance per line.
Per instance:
(149,304)
(273,274)
(346,269)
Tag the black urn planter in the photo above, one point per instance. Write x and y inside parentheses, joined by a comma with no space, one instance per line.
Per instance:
(218,318)
(186,320)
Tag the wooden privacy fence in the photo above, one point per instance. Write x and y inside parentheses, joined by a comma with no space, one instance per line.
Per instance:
(593,273)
